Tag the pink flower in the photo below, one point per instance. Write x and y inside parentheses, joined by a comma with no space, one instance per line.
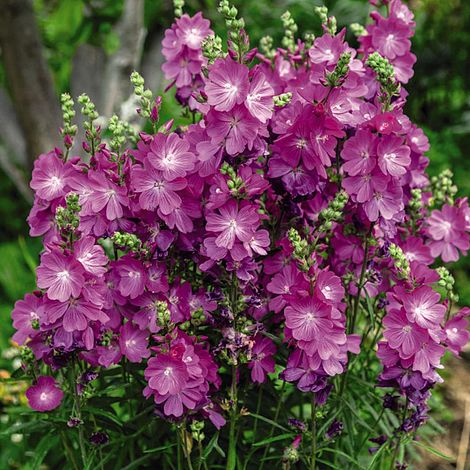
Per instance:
(390,38)
(170,155)
(106,194)
(155,191)
(132,277)
(27,316)
(386,201)
(403,335)
(227,84)
(133,342)
(91,256)
(61,275)
(393,156)
(262,361)
(75,314)
(237,127)
(166,374)
(457,334)
(50,177)
(232,224)
(259,99)
(447,228)
(422,307)
(45,395)
(190,31)
(327,49)
(359,153)
(308,318)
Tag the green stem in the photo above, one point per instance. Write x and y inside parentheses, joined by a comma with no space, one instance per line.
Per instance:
(179,457)
(232,447)
(68,451)
(314,434)
(271,432)
(77,399)
(258,407)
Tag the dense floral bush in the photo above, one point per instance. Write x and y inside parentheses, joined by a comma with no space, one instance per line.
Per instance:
(286,242)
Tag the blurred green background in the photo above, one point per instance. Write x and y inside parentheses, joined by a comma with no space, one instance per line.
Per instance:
(93,45)
(51,46)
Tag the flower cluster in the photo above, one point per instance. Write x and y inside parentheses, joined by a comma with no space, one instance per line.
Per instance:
(286,229)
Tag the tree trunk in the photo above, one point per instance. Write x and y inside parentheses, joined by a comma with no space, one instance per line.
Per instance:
(28,76)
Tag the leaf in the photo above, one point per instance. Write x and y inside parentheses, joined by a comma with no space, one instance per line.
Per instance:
(343,454)
(376,456)
(210,446)
(434,451)
(280,437)
(159,449)
(269,421)
(42,449)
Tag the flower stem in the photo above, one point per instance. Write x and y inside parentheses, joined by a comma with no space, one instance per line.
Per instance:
(232,447)
(76,398)
(313,458)
(271,432)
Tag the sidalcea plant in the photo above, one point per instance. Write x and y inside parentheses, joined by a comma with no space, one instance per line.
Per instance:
(266,277)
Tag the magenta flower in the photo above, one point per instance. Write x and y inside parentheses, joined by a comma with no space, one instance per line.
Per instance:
(393,156)
(236,127)
(91,256)
(262,360)
(386,200)
(26,316)
(190,31)
(61,275)
(327,49)
(232,223)
(359,153)
(308,318)
(259,99)
(422,307)
(133,342)
(132,277)
(45,395)
(75,314)
(155,191)
(50,177)
(457,334)
(390,38)
(166,374)
(106,194)
(402,334)
(447,229)
(170,155)
(227,84)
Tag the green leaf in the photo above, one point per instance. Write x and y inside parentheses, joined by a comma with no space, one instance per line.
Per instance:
(210,446)
(434,451)
(42,449)
(159,449)
(343,454)
(280,437)
(269,421)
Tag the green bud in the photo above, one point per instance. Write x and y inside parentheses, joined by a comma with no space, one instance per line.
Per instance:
(283,99)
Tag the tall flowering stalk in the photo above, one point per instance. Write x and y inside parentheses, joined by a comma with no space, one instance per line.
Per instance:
(283,240)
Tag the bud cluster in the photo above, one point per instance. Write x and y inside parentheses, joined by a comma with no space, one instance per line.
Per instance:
(401,262)
(339,74)
(290,30)
(333,212)
(443,188)
(385,73)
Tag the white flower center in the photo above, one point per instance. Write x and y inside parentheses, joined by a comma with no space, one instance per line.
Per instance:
(63,275)
(167,371)
(44,396)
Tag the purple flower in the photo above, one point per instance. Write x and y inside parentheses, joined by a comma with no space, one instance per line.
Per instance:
(132,277)
(422,307)
(50,177)
(61,275)
(170,155)
(393,156)
(262,361)
(232,223)
(155,191)
(227,84)
(447,229)
(45,395)
(133,342)
(359,153)
(308,318)
(27,316)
